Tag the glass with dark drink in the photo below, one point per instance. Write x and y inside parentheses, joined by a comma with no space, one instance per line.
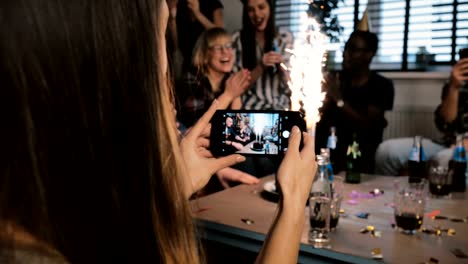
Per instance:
(410,203)
(337,197)
(440,180)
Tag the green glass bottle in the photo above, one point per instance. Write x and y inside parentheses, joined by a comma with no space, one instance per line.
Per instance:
(353,160)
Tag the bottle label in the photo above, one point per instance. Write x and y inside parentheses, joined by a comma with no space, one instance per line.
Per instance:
(354,150)
(459,154)
(414,154)
(331,142)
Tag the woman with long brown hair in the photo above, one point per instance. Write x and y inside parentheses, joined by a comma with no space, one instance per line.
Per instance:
(90,167)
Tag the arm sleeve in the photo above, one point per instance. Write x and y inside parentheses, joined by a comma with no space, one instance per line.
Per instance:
(237,46)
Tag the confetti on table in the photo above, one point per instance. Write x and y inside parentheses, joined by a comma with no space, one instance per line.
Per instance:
(363,215)
(451,232)
(377,233)
(459,253)
(377,253)
(247,221)
(352,202)
(433,213)
(377,192)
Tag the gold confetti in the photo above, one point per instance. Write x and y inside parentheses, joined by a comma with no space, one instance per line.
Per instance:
(370,228)
(378,233)
(451,232)
(377,253)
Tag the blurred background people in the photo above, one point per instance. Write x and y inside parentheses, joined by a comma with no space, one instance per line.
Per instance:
(450,118)
(355,103)
(260,49)
(192,18)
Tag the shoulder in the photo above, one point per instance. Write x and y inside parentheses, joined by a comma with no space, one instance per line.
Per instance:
(381,80)
(236,35)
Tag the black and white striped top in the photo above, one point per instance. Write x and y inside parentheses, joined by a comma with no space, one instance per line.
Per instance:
(270,91)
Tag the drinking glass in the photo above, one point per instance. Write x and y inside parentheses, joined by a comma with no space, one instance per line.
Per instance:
(319,208)
(440,180)
(410,202)
(337,197)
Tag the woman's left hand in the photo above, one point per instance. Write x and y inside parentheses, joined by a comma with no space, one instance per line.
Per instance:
(237,83)
(200,165)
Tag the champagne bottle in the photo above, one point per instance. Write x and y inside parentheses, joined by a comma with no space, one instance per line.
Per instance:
(457,166)
(417,162)
(353,159)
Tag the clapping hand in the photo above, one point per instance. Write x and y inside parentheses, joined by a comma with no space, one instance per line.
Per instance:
(237,83)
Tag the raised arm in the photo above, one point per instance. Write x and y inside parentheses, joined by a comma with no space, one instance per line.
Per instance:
(449,106)
(295,177)
(218,18)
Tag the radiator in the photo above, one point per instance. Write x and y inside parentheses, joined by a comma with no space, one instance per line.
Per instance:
(408,121)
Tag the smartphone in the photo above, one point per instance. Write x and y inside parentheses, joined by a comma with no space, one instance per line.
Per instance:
(463,53)
(253,132)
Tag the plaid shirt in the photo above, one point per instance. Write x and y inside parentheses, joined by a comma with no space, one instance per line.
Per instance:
(194,97)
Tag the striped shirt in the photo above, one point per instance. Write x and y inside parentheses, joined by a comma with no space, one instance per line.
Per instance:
(270,91)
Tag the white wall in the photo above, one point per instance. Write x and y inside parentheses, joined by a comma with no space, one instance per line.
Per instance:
(232,14)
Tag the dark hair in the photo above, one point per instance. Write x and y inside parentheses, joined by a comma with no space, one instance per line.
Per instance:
(371,39)
(247,34)
(89,161)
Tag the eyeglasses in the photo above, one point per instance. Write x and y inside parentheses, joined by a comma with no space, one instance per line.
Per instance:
(220,48)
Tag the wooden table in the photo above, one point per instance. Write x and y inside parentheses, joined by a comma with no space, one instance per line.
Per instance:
(220,215)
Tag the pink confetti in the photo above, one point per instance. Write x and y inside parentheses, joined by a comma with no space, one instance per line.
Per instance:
(433,213)
(352,202)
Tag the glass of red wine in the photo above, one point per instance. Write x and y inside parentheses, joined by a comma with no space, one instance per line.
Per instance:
(410,203)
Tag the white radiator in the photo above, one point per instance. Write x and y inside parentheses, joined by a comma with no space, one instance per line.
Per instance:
(408,121)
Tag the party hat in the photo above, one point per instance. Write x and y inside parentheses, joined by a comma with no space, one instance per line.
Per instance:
(364,24)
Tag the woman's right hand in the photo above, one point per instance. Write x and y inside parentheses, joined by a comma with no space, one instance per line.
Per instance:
(459,73)
(271,59)
(297,170)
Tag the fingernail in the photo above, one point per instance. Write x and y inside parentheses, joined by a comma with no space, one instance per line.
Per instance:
(295,130)
(240,158)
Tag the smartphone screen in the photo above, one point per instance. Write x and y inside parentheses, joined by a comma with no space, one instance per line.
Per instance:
(252,132)
(463,53)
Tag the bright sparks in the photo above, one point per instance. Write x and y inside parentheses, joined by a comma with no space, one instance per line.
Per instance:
(305,70)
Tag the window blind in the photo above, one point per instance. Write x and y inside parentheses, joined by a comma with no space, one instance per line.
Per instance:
(404,28)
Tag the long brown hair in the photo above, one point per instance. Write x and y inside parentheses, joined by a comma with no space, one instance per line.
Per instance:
(89,161)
